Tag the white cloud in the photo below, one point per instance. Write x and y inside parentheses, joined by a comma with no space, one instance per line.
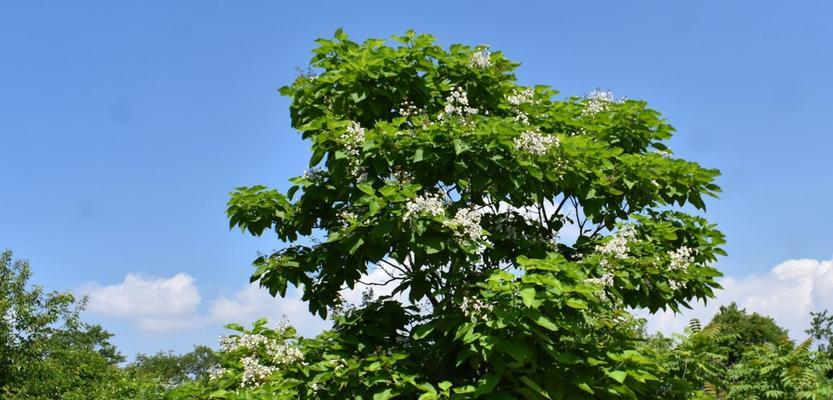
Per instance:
(252,303)
(379,280)
(153,303)
(158,304)
(788,292)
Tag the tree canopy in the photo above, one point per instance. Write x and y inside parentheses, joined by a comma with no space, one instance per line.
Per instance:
(517,227)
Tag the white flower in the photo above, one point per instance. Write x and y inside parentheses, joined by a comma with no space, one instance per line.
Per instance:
(535,143)
(228,343)
(617,246)
(522,117)
(216,373)
(347,217)
(604,281)
(408,108)
(474,308)
(597,101)
(284,354)
(338,363)
(674,285)
(457,103)
(468,223)
(429,204)
(481,59)
(681,259)
(353,139)
(519,97)
(315,174)
(283,325)
(254,373)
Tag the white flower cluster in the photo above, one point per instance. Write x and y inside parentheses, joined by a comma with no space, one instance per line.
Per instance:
(315,174)
(481,59)
(519,97)
(408,108)
(254,373)
(522,117)
(347,217)
(468,222)
(353,140)
(338,363)
(402,176)
(430,204)
(535,143)
(597,101)
(617,246)
(283,325)
(216,373)
(681,259)
(284,354)
(457,103)
(664,153)
(604,281)
(247,341)
(675,285)
(474,308)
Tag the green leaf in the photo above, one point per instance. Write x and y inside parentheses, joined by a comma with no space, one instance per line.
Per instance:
(528,297)
(534,386)
(384,395)
(576,303)
(417,155)
(618,376)
(366,187)
(235,327)
(423,331)
(546,323)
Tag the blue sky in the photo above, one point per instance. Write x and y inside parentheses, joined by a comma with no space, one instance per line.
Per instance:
(123,126)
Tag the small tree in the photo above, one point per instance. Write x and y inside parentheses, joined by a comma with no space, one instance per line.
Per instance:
(741,331)
(47,352)
(821,330)
(515,227)
(175,369)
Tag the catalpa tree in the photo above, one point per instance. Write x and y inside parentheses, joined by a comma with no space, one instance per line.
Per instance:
(516,227)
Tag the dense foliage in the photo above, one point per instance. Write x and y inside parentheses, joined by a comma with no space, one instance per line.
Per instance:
(47,352)
(171,370)
(768,366)
(741,331)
